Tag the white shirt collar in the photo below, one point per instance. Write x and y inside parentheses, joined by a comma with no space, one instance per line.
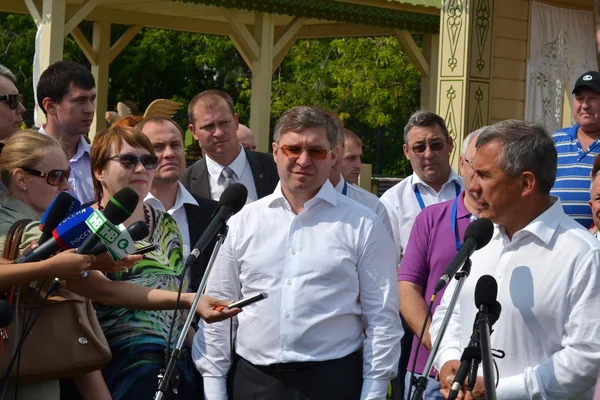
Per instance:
(237,165)
(83,147)
(340,186)
(327,193)
(183,197)
(452,177)
(543,227)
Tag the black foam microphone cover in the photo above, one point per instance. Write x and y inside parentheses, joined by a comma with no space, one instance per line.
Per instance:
(482,230)
(6,314)
(486,291)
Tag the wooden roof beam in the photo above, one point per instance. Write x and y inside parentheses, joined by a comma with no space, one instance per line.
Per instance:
(412,50)
(123,41)
(245,40)
(34,11)
(79,14)
(85,46)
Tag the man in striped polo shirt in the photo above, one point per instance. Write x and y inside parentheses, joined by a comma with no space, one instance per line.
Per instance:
(577,146)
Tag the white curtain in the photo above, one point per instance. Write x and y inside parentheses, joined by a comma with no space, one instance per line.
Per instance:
(562,48)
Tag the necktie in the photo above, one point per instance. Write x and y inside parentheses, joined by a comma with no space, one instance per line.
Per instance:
(228,175)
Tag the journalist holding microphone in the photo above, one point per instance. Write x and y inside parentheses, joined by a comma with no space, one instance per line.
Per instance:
(34,168)
(328,265)
(547,269)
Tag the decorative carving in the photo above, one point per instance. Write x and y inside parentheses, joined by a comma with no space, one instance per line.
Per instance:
(478,120)
(454,23)
(482,27)
(450,116)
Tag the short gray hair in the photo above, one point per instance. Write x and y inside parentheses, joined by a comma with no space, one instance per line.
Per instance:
(7,73)
(526,146)
(425,118)
(298,118)
(467,141)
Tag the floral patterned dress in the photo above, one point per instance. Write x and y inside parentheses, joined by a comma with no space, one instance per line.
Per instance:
(138,339)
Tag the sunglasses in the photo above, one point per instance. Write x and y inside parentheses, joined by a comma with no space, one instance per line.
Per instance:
(54,177)
(130,161)
(13,100)
(434,146)
(295,151)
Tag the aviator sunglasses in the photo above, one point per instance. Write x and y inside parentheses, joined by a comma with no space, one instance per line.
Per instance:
(434,146)
(54,177)
(130,161)
(13,100)
(295,151)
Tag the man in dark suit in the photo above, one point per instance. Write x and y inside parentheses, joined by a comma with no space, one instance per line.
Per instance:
(213,123)
(192,213)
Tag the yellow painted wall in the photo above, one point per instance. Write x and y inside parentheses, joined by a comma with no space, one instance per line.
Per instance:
(511,31)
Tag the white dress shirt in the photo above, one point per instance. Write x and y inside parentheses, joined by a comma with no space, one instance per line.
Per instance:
(80,180)
(178,213)
(242,174)
(549,287)
(328,271)
(367,199)
(403,207)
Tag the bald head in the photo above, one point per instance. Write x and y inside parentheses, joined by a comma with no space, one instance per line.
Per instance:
(246,138)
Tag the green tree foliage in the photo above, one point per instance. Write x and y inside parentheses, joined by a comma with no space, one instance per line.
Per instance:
(368,81)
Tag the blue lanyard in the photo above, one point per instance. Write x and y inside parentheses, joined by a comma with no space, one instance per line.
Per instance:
(454,224)
(420,197)
(345,189)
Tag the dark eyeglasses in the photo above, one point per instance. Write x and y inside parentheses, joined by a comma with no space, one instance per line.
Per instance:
(130,161)
(295,151)
(419,149)
(13,100)
(55,177)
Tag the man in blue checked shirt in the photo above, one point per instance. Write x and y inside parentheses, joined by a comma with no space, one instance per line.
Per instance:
(577,146)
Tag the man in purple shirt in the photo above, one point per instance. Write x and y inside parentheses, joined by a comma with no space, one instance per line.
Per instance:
(434,240)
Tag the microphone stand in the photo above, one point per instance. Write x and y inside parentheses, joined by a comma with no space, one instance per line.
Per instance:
(486,356)
(423,380)
(174,356)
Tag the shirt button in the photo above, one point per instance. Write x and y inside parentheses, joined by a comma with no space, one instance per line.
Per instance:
(289,282)
(287,315)
(293,252)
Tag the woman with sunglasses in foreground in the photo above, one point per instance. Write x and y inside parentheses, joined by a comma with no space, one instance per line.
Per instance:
(34,169)
(123,156)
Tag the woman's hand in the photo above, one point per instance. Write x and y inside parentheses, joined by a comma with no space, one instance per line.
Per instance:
(105,263)
(68,265)
(213,310)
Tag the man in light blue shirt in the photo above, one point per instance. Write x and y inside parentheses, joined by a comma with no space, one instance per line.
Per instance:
(577,146)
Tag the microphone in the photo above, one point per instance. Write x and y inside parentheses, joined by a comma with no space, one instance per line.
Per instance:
(231,201)
(70,233)
(62,205)
(6,314)
(103,225)
(137,231)
(478,234)
(486,292)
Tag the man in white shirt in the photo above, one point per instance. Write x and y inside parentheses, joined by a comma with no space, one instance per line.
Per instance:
(328,266)
(66,95)
(213,123)
(428,146)
(351,162)
(548,271)
(192,214)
